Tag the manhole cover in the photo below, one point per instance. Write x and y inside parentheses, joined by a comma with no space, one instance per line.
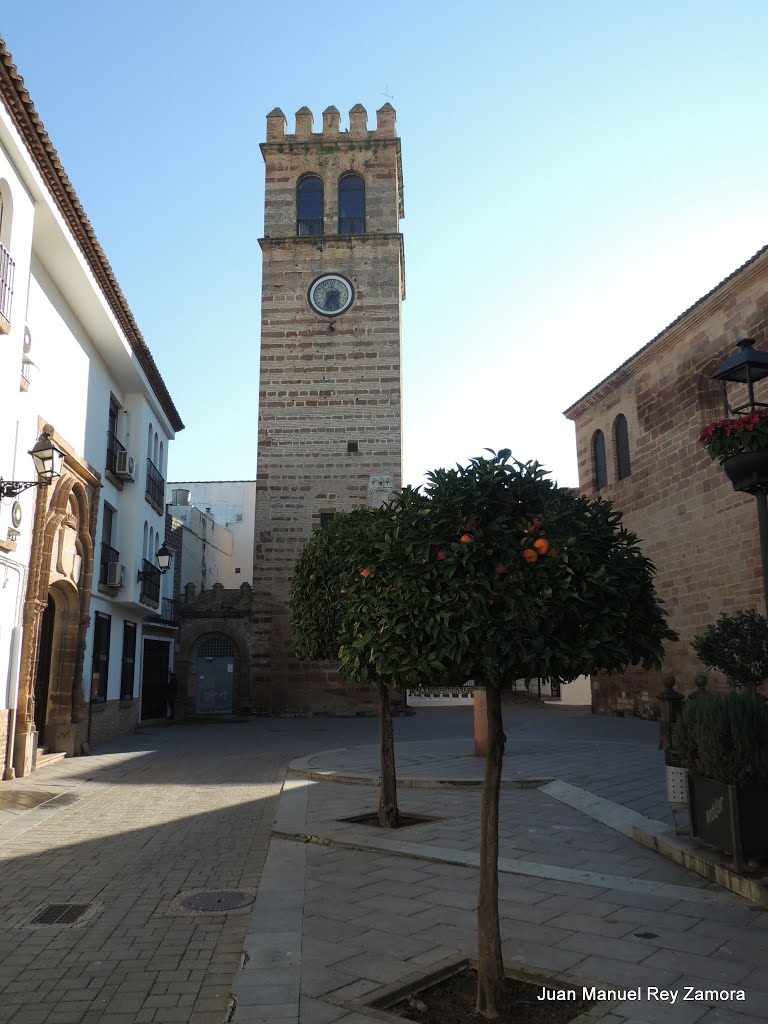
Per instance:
(60,913)
(216,902)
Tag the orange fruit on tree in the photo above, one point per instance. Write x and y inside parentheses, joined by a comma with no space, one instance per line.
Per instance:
(441,555)
(466,538)
(365,573)
(530,556)
(541,545)
(501,568)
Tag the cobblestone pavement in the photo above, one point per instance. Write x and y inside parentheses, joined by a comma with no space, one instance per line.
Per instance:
(191,807)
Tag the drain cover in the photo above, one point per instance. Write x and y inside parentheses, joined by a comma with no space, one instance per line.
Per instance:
(218,902)
(61,913)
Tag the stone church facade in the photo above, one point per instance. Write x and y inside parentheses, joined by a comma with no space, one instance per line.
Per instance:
(637,438)
(330,413)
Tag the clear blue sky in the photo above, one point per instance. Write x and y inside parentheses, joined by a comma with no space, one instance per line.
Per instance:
(576,174)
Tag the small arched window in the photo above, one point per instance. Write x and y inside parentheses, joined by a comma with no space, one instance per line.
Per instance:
(351,205)
(309,206)
(599,464)
(621,447)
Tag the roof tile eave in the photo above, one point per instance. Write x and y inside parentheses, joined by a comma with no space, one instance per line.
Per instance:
(22,110)
(657,337)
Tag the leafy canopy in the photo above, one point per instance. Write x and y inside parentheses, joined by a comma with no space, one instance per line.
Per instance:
(492,572)
(737,646)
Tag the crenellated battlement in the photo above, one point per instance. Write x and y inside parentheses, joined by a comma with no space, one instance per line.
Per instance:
(277,125)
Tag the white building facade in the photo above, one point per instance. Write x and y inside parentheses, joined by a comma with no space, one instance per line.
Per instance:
(84,644)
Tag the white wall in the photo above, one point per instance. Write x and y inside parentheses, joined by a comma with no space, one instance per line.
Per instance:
(231,504)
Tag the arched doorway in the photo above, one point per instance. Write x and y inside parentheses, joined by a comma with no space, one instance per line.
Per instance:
(215,675)
(43,674)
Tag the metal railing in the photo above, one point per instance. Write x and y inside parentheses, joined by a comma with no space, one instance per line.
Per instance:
(113,448)
(309,226)
(150,582)
(155,491)
(7,268)
(351,225)
(108,554)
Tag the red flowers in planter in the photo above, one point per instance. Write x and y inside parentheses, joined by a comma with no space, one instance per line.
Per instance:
(727,437)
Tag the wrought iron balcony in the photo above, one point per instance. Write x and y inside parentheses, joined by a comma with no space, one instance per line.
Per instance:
(351,225)
(155,491)
(309,226)
(7,268)
(150,582)
(108,554)
(113,447)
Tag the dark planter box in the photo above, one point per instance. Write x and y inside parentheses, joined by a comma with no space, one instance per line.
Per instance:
(748,471)
(733,819)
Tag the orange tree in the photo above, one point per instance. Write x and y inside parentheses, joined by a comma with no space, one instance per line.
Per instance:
(328,562)
(495,573)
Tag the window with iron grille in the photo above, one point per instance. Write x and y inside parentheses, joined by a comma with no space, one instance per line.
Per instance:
(621,447)
(108,553)
(352,448)
(128,667)
(326,518)
(351,205)
(155,489)
(599,462)
(102,629)
(309,206)
(113,445)
(216,647)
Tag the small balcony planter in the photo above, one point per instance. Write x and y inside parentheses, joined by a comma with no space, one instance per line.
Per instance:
(748,471)
(732,819)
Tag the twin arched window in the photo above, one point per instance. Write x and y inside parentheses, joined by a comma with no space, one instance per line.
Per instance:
(621,450)
(310,206)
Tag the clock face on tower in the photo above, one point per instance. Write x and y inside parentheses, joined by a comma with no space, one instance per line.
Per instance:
(331,295)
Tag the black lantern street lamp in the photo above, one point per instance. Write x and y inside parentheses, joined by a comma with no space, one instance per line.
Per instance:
(48,459)
(163,557)
(748,471)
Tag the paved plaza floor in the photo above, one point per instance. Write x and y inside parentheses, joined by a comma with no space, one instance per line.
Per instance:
(334,911)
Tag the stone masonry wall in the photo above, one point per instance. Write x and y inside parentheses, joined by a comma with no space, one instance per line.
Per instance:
(323,383)
(111,719)
(701,535)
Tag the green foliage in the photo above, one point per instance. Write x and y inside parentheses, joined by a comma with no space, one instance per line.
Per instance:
(320,578)
(724,738)
(737,646)
(436,609)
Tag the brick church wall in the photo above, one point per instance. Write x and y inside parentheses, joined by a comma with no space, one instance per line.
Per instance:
(701,535)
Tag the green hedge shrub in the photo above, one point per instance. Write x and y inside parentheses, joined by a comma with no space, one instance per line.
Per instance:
(724,738)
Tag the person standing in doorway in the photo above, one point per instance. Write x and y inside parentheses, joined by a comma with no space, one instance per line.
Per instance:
(172,690)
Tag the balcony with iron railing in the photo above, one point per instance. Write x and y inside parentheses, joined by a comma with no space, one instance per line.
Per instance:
(108,554)
(113,448)
(155,491)
(150,583)
(309,227)
(351,225)
(7,268)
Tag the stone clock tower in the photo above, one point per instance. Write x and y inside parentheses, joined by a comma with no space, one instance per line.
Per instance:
(330,389)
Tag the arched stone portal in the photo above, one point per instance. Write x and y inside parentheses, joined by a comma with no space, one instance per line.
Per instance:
(56,612)
(213,667)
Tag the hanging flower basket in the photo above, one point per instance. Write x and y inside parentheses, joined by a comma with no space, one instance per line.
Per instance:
(740,445)
(748,471)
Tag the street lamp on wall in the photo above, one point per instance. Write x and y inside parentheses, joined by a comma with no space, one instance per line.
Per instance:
(163,557)
(48,459)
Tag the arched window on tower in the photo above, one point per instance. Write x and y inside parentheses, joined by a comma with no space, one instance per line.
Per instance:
(599,463)
(309,206)
(351,205)
(621,447)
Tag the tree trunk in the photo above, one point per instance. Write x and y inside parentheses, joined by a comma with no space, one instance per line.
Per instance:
(389,816)
(490,967)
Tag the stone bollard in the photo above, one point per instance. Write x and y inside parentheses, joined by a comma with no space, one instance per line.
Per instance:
(481,722)
(671,702)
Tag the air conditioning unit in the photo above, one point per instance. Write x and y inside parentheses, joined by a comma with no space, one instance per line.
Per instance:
(125,466)
(114,574)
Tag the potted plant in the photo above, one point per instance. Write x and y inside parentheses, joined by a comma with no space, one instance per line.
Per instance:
(740,445)
(737,646)
(723,743)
